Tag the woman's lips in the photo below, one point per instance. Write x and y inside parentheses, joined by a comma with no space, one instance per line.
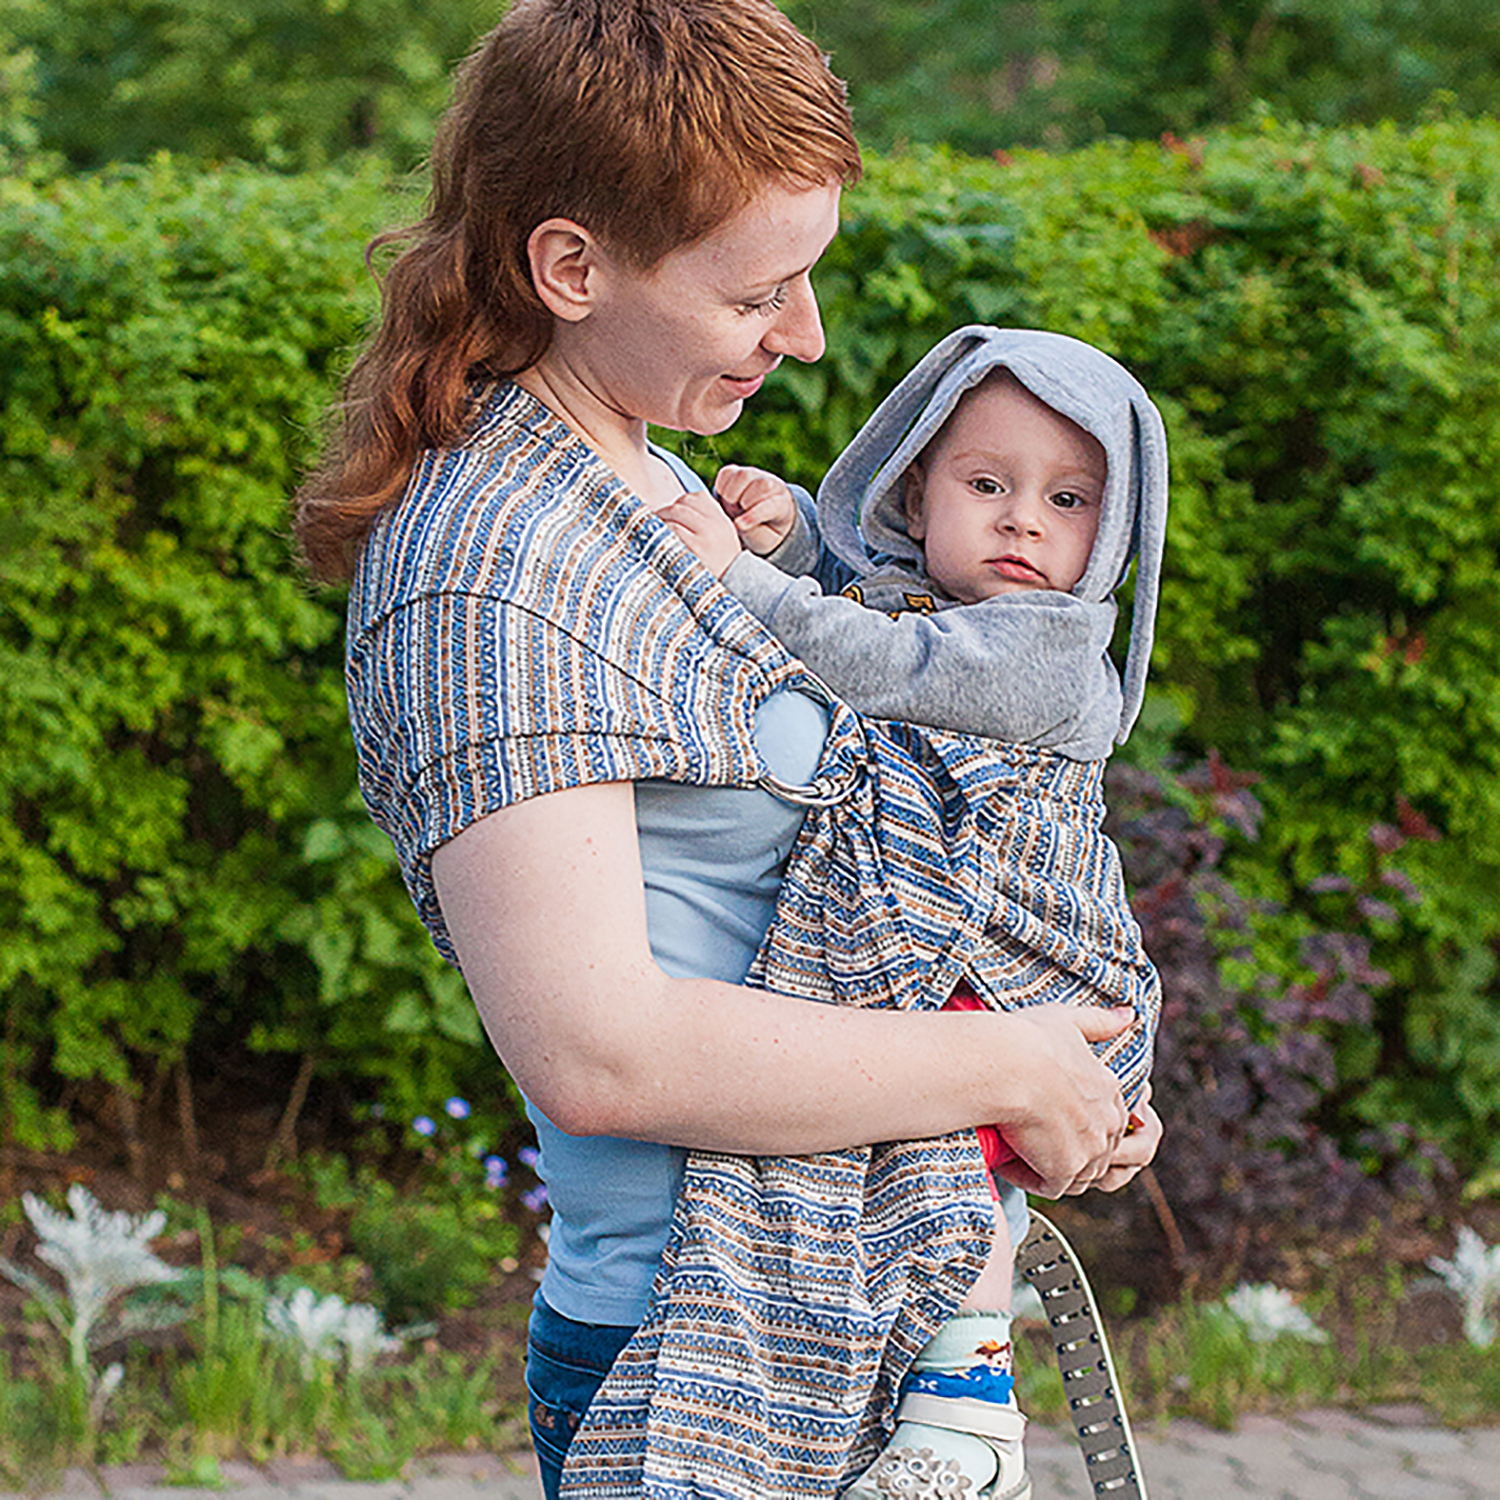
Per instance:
(748,385)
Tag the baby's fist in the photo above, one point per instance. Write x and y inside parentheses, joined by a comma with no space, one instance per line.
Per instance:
(760,505)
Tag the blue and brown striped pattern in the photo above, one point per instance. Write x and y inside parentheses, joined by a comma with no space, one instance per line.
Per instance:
(519,625)
(795,1292)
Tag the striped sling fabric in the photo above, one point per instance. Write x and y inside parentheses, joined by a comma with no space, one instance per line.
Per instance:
(519,624)
(795,1292)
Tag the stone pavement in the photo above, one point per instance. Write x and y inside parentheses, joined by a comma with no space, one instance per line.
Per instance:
(1386,1454)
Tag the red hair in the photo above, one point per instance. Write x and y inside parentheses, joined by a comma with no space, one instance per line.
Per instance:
(649,122)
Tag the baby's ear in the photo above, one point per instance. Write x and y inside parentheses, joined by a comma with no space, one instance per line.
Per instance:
(911,501)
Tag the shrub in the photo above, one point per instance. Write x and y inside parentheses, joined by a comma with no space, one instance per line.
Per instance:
(183,857)
(1318,315)
(184,862)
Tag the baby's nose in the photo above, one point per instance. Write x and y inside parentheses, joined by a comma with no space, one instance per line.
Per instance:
(1024,517)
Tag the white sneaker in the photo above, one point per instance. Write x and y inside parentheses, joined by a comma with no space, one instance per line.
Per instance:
(947,1448)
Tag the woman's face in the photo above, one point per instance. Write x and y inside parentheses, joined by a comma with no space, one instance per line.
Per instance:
(684,344)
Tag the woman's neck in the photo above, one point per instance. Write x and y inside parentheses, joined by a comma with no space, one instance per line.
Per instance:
(619,440)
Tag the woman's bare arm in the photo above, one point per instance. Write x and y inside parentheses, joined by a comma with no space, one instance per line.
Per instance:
(546,907)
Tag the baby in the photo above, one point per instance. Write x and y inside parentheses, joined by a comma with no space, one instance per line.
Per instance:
(972,537)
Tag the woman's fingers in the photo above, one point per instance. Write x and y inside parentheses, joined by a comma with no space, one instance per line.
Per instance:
(1100,1024)
(1135,1150)
(1069,1139)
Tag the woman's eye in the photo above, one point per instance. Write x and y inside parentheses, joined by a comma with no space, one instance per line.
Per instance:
(774,303)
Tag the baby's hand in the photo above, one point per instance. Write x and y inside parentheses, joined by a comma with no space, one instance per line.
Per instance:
(700,521)
(760,505)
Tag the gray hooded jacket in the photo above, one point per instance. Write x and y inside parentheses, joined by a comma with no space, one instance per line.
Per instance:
(1029,667)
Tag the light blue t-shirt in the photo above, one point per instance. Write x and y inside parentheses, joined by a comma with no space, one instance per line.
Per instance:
(713,858)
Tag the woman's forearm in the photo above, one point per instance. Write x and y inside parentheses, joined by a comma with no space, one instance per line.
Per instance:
(545,904)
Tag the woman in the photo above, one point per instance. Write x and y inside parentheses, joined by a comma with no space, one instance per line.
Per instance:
(578,741)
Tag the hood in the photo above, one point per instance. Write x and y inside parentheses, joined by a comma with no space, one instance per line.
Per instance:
(860,514)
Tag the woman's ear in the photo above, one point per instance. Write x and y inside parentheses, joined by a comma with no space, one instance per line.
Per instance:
(911,501)
(565,261)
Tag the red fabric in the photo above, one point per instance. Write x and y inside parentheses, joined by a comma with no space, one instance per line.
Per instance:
(996,1149)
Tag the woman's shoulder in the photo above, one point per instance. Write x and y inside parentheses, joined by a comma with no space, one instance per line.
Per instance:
(487,514)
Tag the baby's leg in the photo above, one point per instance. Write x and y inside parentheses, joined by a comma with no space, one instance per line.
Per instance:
(992,1292)
(958,1423)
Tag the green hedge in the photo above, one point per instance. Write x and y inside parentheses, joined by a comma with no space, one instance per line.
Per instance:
(183,861)
(1318,313)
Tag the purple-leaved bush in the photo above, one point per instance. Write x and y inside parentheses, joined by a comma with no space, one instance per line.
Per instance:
(1256,1149)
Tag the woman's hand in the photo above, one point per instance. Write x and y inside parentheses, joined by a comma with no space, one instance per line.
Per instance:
(1070,1132)
(1136,1148)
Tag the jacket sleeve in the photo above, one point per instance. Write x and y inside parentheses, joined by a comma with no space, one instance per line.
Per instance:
(1028,668)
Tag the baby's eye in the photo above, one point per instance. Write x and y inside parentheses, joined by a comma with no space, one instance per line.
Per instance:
(1069,500)
(986,486)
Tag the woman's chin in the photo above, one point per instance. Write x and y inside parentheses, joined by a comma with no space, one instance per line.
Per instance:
(718,418)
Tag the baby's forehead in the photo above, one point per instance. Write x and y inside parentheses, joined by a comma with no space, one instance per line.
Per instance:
(1001,410)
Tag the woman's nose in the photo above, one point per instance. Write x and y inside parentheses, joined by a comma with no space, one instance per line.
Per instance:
(798,329)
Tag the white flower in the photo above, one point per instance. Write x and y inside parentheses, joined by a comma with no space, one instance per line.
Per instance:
(1268,1311)
(100,1256)
(364,1336)
(311,1323)
(1474,1274)
(325,1328)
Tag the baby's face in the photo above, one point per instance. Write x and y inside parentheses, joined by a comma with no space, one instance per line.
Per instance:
(1006,497)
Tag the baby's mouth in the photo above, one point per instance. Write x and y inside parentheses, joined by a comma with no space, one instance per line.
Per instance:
(1017,568)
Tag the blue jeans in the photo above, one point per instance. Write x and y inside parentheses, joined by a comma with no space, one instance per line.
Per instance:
(566,1362)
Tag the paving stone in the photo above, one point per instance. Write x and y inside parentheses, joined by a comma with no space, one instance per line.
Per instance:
(1045,1438)
(348,1489)
(1402,1414)
(1437,1441)
(1185,1472)
(235,1471)
(161,1491)
(1276,1473)
(118,1477)
(1056,1475)
(1215,1440)
(1256,1426)
(1328,1419)
(1400,1486)
(496,1486)
(478,1467)
(1479,1471)
(1320,1455)
(293,1471)
(1339,1452)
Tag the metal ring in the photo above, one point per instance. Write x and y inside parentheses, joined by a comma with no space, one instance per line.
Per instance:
(821,791)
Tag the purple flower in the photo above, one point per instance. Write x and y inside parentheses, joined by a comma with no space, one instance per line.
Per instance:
(535,1198)
(496,1173)
(424,1125)
(528,1156)
(458,1109)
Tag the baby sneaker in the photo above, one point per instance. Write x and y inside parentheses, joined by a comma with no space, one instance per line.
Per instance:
(958,1429)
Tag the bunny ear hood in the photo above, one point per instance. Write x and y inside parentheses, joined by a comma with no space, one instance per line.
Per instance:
(860,514)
